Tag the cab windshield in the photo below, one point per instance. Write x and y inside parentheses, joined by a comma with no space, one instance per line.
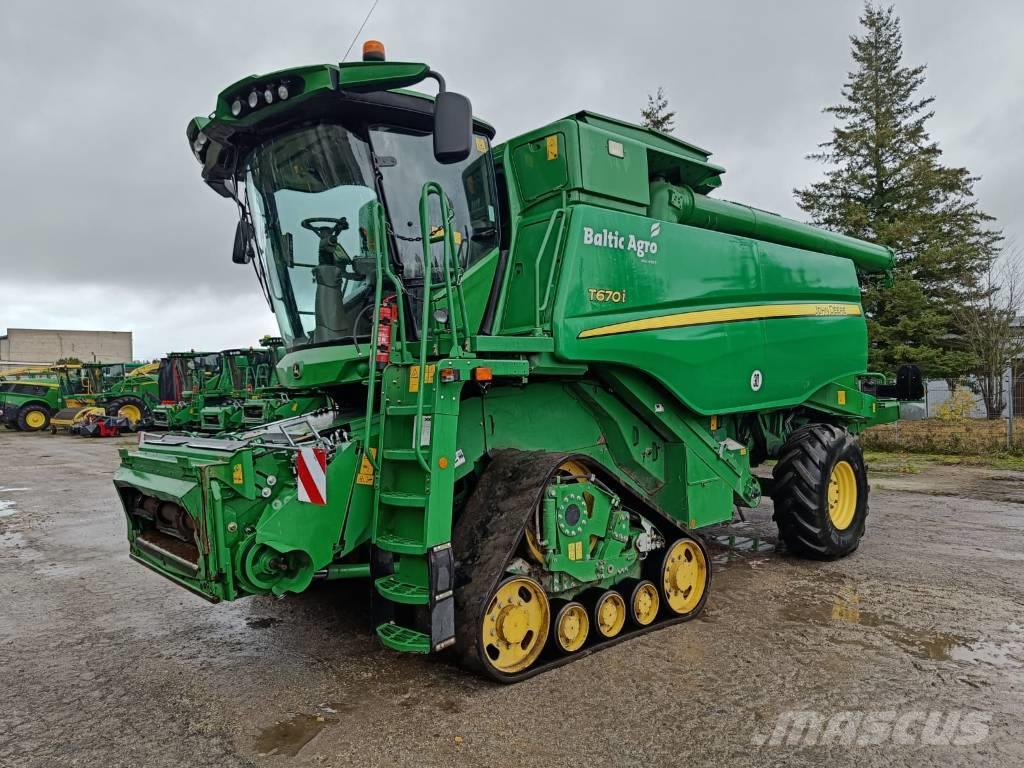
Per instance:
(310,194)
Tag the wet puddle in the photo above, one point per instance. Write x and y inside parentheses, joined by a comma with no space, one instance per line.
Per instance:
(288,737)
(736,547)
(7,508)
(920,643)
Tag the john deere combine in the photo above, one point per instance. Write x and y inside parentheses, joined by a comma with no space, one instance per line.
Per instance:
(552,362)
(255,397)
(185,381)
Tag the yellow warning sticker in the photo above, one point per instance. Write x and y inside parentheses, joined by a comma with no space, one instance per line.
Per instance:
(430,373)
(236,475)
(552,146)
(414,376)
(365,475)
(481,144)
(841,397)
(576,550)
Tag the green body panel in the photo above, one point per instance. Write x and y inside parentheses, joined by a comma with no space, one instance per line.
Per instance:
(16,394)
(708,366)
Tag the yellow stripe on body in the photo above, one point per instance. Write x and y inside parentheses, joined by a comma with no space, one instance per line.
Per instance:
(726,315)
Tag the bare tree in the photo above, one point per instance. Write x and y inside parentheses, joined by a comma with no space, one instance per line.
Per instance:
(991,327)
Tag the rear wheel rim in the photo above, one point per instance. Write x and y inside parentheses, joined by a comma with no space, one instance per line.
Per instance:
(842,495)
(131,412)
(35,419)
(684,576)
(515,625)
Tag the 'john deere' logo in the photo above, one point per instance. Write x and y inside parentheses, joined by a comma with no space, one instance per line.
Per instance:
(296,370)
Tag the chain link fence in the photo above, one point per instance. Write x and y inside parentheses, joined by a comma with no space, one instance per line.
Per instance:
(959,416)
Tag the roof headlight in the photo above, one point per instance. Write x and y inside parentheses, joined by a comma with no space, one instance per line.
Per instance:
(236,107)
(282,91)
(254,99)
(268,95)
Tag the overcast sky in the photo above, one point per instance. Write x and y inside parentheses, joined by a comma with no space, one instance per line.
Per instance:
(105,224)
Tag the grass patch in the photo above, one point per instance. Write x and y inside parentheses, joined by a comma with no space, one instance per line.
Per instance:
(895,461)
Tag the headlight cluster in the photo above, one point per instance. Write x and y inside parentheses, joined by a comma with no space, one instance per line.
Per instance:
(261,95)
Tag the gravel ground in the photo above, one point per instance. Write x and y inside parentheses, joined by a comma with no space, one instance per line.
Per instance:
(103,663)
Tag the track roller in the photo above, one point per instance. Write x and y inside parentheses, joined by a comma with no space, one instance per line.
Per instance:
(642,599)
(609,613)
(570,626)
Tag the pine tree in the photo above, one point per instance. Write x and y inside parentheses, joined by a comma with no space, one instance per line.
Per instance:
(886,184)
(656,115)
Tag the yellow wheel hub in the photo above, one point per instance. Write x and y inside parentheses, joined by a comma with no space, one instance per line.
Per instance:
(645,603)
(572,627)
(515,625)
(35,419)
(610,613)
(842,495)
(684,576)
(131,412)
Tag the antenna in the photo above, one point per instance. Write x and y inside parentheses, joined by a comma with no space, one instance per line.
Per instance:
(359,31)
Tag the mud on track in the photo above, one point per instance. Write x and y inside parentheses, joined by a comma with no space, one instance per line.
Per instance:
(104,663)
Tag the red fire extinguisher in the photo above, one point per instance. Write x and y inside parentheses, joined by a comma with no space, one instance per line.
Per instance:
(385,320)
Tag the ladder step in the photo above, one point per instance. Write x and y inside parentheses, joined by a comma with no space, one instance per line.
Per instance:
(408,410)
(398,591)
(403,639)
(400,499)
(401,545)
(400,454)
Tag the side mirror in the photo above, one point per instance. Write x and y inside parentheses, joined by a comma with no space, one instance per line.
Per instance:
(453,127)
(242,252)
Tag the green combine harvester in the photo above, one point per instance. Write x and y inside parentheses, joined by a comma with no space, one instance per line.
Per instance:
(552,363)
(187,382)
(256,396)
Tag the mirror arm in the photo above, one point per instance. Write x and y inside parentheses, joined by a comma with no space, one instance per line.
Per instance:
(440,80)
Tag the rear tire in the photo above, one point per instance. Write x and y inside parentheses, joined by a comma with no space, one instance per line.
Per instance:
(33,418)
(821,492)
(132,408)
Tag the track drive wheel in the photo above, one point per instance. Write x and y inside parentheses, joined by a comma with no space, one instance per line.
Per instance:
(132,408)
(33,418)
(570,626)
(821,492)
(684,577)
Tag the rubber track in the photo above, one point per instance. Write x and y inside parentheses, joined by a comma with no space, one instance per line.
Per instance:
(797,475)
(485,541)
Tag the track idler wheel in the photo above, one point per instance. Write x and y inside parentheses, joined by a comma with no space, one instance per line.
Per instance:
(515,625)
(685,574)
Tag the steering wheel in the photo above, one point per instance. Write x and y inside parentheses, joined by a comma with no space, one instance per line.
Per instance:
(325,227)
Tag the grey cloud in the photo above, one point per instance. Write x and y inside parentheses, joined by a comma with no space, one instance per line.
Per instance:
(99,185)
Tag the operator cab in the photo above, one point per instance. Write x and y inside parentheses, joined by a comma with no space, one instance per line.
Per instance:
(308,159)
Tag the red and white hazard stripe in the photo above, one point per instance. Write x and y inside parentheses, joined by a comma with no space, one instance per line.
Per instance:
(311,468)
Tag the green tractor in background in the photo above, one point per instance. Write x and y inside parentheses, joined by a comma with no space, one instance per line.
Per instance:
(551,364)
(256,396)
